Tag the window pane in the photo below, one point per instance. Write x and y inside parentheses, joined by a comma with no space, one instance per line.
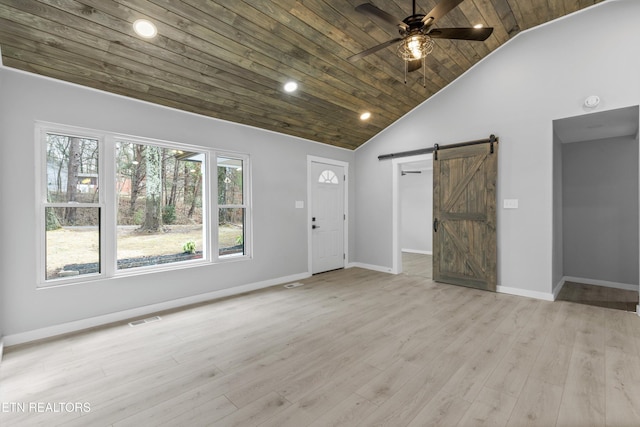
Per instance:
(328,177)
(160,216)
(230,181)
(231,231)
(72,169)
(72,242)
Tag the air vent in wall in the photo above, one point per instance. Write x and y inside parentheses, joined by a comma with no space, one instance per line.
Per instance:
(143,321)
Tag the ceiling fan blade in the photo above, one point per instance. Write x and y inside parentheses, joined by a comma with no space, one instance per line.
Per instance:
(369,9)
(371,50)
(414,65)
(477,34)
(440,10)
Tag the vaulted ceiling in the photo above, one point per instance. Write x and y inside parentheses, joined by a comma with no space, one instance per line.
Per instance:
(230,58)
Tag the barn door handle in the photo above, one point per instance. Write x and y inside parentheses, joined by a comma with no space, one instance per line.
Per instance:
(435,225)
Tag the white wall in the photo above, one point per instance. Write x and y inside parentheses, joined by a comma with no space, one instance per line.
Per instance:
(279,179)
(600,210)
(416,211)
(515,93)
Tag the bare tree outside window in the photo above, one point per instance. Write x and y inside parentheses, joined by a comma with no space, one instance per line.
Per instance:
(72,216)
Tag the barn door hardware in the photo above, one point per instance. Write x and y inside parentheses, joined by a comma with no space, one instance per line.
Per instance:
(491,140)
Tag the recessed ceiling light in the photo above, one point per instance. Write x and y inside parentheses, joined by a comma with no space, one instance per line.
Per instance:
(290,86)
(478,26)
(145,28)
(365,116)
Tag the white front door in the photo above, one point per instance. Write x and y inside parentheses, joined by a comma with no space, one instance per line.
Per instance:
(327,217)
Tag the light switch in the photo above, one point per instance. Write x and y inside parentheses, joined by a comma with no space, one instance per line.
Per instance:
(299,204)
(511,203)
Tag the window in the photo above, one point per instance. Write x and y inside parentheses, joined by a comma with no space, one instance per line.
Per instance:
(72,208)
(328,177)
(113,205)
(232,206)
(159,198)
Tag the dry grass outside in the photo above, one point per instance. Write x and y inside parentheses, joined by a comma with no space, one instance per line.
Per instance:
(80,245)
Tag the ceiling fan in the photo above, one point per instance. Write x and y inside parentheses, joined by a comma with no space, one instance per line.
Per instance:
(417,31)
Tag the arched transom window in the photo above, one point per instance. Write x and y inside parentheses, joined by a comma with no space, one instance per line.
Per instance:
(328,177)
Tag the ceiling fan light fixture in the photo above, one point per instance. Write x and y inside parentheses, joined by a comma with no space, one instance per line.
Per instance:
(414,47)
(145,28)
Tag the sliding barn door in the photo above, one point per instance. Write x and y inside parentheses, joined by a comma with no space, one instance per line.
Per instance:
(464,212)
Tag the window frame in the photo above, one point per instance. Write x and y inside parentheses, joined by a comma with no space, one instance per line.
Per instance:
(112,141)
(246,205)
(42,129)
(107,204)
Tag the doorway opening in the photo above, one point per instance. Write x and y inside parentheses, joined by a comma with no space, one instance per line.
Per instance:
(412,215)
(596,220)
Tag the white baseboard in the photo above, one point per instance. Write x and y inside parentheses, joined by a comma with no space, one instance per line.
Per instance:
(370,267)
(91,322)
(525,293)
(596,282)
(417,251)
(557,288)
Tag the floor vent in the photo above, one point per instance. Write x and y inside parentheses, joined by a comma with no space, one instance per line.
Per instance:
(143,321)
(293,285)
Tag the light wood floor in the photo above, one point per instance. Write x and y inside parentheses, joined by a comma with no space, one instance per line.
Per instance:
(417,265)
(349,348)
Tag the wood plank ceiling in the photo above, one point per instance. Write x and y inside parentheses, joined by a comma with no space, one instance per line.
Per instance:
(230,58)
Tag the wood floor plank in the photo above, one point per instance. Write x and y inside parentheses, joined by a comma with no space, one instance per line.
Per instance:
(469,380)
(348,412)
(510,376)
(552,364)
(317,401)
(293,416)
(384,385)
(537,405)
(519,317)
(566,323)
(443,410)
(583,399)
(619,331)
(256,412)
(186,409)
(622,388)
(491,409)
(404,406)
